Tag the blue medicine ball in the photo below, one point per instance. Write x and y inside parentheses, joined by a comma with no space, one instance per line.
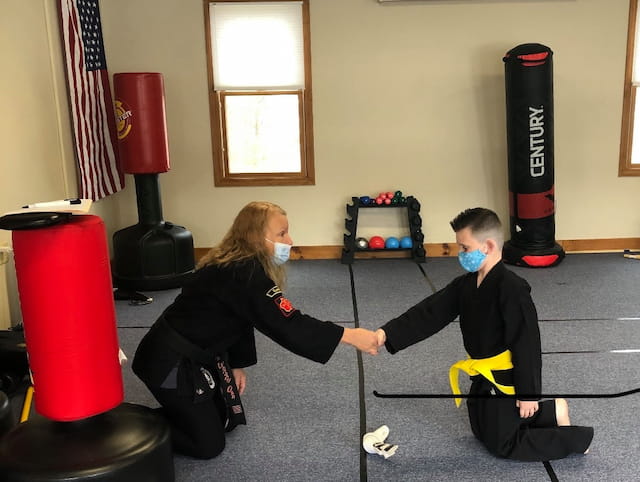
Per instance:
(392,243)
(406,242)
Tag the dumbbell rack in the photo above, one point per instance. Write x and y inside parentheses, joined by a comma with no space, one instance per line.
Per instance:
(415,228)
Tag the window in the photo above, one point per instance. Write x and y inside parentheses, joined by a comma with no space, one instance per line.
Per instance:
(260,92)
(630,138)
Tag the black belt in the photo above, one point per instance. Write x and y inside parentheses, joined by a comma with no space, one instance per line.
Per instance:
(227,384)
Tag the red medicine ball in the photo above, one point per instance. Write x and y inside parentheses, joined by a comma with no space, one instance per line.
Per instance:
(376,242)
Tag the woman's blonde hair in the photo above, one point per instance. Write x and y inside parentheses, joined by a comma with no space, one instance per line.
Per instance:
(246,239)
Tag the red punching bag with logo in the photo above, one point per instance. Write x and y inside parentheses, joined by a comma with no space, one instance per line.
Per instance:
(141,122)
(154,254)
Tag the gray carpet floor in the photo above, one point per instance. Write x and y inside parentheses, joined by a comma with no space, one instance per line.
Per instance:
(580,304)
(305,420)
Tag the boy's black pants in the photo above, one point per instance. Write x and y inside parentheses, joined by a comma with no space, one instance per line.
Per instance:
(496,422)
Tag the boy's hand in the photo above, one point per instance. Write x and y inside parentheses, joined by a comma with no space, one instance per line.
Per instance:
(527,409)
(382,336)
(363,340)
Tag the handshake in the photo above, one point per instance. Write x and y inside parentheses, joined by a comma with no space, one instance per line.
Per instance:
(365,340)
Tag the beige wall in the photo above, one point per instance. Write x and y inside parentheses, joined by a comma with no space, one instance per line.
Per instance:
(407,96)
(36,159)
(33,166)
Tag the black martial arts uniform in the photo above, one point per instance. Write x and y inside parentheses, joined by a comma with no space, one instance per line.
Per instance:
(215,315)
(496,316)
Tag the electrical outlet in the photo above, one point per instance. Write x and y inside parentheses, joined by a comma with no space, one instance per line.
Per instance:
(5,252)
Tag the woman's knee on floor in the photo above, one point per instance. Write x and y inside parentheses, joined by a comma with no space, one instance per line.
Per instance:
(204,441)
(203,449)
(562,412)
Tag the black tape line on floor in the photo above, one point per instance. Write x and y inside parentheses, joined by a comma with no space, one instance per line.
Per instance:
(599,318)
(503,395)
(361,397)
(622,351)
(426,277)
(550,472)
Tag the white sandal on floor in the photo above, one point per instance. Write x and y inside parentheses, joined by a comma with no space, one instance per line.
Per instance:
(374,442)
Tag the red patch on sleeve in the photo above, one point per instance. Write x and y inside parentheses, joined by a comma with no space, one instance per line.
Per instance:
(285,306)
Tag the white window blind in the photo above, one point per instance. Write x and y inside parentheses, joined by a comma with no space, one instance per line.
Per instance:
(257,46)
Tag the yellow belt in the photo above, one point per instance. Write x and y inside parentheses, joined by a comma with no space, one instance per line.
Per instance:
(484,367)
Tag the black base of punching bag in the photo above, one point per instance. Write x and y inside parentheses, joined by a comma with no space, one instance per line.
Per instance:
(538,258)
(154,257)
(153,254)
(7,420)
(127,444)
(14,365)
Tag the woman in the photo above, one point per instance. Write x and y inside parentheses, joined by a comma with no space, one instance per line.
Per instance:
(192,358)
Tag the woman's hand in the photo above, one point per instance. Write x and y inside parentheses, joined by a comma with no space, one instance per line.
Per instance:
(241,379)
(363,340)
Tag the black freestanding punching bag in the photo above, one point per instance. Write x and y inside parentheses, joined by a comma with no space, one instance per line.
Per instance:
(529,95)
(154,254)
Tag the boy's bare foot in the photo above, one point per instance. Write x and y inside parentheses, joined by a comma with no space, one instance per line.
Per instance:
(562,412)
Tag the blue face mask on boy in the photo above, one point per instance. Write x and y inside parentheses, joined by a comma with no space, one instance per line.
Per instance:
(280,252)
(472,260)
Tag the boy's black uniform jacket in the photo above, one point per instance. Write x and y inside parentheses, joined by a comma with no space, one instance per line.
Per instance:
(217,310)
(496,316)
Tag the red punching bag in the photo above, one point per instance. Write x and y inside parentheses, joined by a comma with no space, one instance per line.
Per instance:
(152,254)
(141,122)
(66,296)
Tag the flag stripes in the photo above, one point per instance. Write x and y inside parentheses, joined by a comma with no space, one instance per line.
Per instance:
(91,104)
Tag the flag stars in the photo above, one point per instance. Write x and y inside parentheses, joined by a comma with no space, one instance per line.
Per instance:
(89,16)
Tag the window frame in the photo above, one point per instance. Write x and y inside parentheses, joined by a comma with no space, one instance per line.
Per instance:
(221,174)
(625,167)
(221,94)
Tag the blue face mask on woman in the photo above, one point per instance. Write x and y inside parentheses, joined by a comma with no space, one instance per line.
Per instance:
(472,260)
(280,252)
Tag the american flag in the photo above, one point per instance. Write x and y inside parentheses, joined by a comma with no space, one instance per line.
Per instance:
(90,99)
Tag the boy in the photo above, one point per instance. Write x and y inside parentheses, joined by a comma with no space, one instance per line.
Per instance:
(499,327)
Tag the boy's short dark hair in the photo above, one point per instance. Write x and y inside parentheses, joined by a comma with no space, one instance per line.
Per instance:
(483,223)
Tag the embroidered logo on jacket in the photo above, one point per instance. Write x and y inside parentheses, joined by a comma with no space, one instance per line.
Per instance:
(285,306)
(274,291)
(208,377)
